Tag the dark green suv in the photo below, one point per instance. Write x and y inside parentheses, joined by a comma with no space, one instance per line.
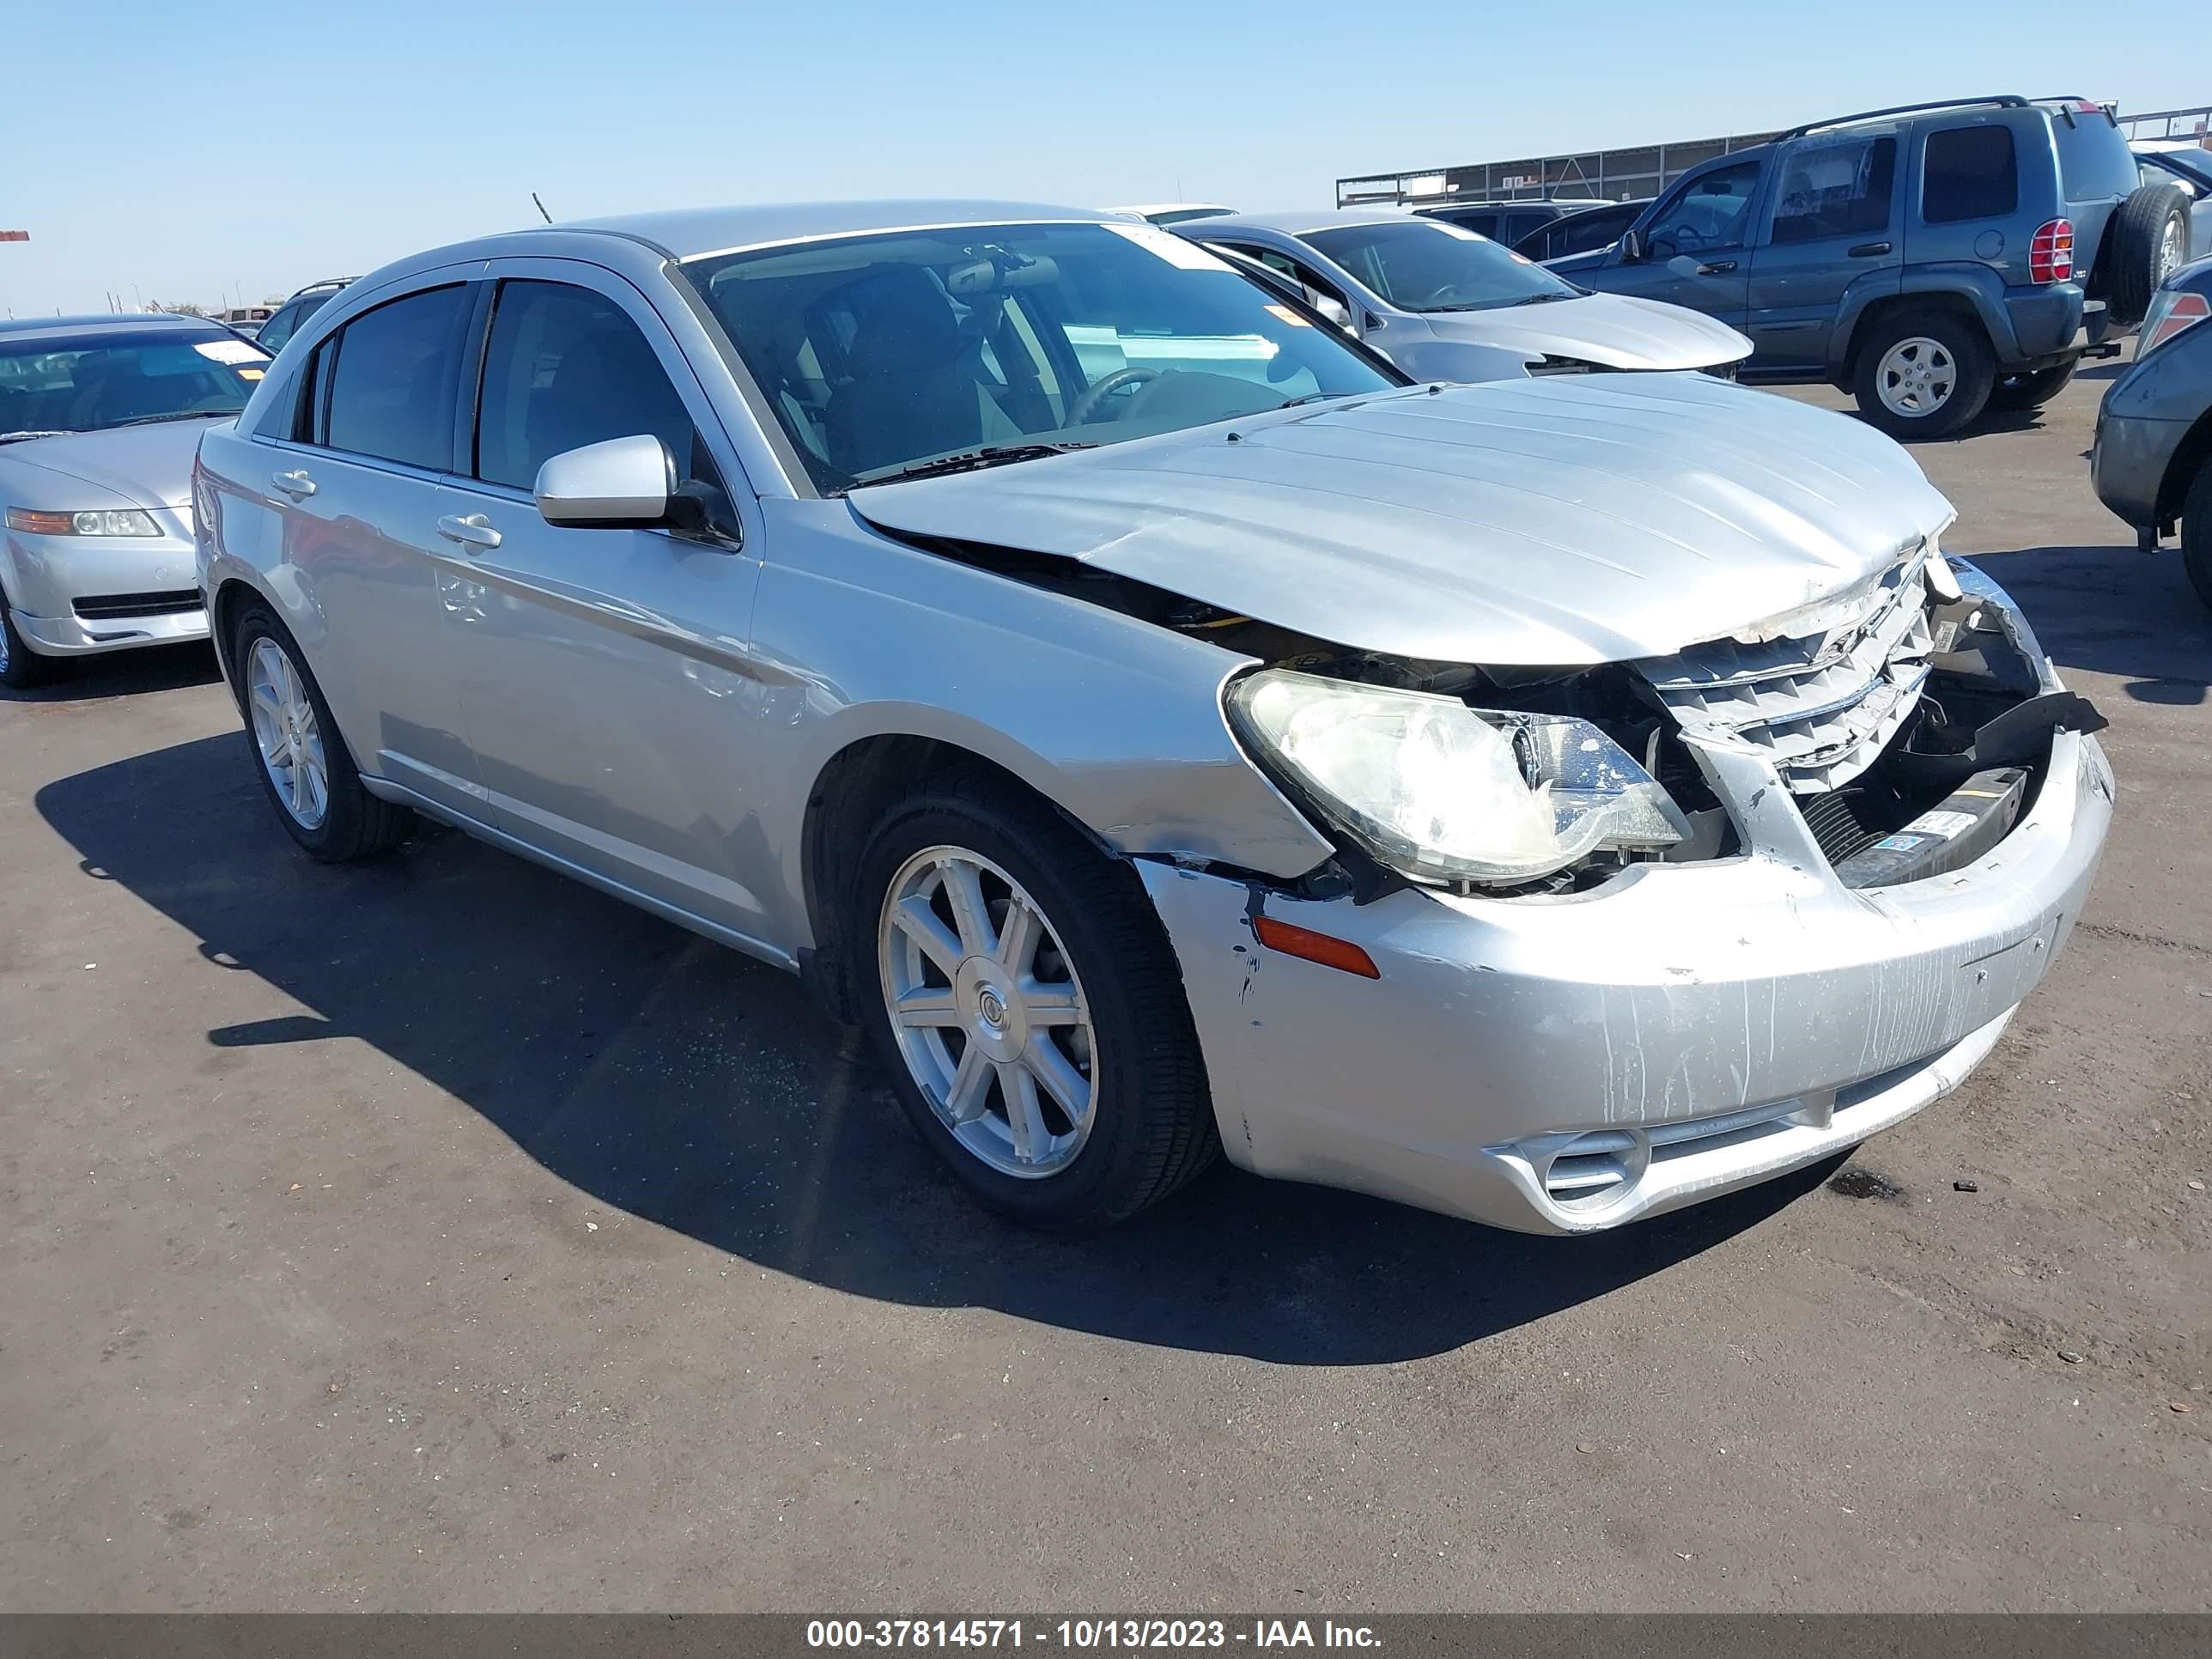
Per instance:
(1934,259)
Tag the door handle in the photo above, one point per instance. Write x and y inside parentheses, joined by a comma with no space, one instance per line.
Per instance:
(1868,250)
(1718,268)
(472,530)
(298,485)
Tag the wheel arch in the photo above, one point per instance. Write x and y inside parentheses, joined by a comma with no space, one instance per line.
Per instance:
(1964,301)
(851,791)
(2192,453)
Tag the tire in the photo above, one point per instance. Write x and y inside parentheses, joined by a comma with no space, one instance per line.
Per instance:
(2150,238)
(1952,348)
(2017,392)
(340,820)
(1103,981)
(20,667)
(2197,532)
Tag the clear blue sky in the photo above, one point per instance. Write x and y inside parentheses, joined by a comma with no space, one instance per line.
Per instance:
(195,150)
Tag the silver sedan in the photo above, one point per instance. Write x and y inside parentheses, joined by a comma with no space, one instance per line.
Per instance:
(1169,729)
(98,420)
(1443,303)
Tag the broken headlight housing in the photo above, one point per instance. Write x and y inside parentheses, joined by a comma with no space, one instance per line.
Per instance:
(1444,793)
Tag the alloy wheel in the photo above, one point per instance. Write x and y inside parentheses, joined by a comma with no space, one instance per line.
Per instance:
(287,734)
(2169,253)
(987,1011)
(1915,377)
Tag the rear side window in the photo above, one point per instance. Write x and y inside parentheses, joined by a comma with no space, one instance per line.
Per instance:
(392,386)
(564,367)
(1831,189)
(1971,173)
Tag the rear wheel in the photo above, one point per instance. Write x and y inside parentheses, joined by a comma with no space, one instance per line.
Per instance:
(1923,375)
(302,760)
(1028,1008)
(2149,240)
(2032,391)
(2197,532)
(20,667)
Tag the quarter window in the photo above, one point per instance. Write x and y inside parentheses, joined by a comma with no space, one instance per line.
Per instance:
(566,366)
(1831,189)
(393,383)
(1971,173)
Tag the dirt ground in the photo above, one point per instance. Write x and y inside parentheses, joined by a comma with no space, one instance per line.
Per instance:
(437,1234)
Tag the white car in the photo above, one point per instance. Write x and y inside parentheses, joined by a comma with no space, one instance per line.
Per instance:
(1445,304)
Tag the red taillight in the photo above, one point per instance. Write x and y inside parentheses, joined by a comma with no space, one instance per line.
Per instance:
(2050,255)
(2186,311)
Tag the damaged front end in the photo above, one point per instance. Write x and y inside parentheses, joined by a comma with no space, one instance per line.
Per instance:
(1907,719)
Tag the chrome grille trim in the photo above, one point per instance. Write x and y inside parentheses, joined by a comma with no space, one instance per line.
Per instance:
(1821,706)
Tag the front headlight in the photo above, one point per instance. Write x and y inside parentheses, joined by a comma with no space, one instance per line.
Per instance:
(1443,791)
(104,521)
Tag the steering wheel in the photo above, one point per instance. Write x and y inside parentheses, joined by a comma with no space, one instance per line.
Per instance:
(1080,412)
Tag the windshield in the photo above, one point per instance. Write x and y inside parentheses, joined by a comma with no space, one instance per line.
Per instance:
(882,354)
(2194,167)
(1428,265)
(119,376)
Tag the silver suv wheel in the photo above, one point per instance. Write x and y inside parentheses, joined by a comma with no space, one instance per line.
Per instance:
(987,1011)
(1915,377)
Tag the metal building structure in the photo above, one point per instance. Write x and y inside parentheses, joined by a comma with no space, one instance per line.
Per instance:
(1620,175)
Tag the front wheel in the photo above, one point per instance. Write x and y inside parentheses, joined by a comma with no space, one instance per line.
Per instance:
(1028,1008)
(1925,374)
(20,667)
(302,761)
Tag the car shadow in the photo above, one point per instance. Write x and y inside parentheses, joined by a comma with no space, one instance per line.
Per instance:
(122,674)
(703,1092)
(2113,610)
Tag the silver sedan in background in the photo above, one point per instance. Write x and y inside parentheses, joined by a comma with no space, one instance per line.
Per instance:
(1444,303)
(1166,727)
(98,420)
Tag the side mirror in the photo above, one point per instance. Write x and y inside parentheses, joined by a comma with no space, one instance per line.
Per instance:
(624,483)
(1630,245)
(1334,310)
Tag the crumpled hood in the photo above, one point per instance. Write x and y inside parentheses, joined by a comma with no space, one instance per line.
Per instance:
(1577,518)
(1612,329)
(147,465)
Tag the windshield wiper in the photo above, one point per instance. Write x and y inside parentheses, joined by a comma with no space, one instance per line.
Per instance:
(1308,397)
(1540,298)
(18,437)
(973,460)
(183,414)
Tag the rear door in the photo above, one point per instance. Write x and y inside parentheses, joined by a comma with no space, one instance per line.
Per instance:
(1695,249)
(1834,224)
(357,484)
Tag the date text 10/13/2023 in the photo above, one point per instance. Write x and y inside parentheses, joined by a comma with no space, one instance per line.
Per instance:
(1087,1634)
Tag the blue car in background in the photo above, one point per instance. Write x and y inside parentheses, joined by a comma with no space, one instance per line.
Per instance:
(2152,461)
(1934,259)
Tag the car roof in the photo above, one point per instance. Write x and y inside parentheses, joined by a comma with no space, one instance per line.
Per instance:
(690,233)
(134,322)
(1297,223)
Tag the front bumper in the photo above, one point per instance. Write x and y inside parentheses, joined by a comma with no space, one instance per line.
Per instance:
(75,596)
(1696,1027)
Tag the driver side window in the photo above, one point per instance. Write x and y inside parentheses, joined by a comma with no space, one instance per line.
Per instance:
(1710,212)
(565,366)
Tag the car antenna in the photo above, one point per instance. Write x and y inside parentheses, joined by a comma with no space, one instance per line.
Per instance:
(540,206)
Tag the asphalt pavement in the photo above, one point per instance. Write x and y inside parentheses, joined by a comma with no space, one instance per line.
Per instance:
(435,1233)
